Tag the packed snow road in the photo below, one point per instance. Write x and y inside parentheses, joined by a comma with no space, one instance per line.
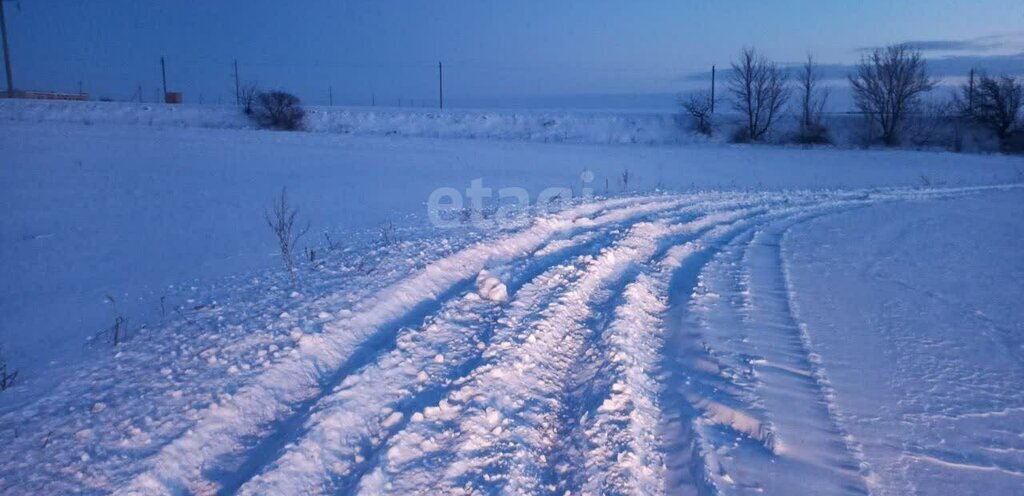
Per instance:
(664,344)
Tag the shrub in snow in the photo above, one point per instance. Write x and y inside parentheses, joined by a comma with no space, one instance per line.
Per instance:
(388,234)
(118,332)
(698,108)
(1014,143)
(282,222)
(6,378)
(934,125)
(278,110)
(247,98)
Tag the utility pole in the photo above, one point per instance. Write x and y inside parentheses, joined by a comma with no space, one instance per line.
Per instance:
(330,95)
(163,73)
(970,95)
(440,86)
(238,87)
(712,89)
(7,52)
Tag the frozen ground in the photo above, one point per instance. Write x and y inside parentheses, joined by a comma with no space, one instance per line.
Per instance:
(769,320)
(546,126)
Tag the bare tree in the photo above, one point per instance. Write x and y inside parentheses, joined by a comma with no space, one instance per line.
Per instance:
(812,103)
(888,86)
(995,104)
(282,221)
(698,108)
(759,90)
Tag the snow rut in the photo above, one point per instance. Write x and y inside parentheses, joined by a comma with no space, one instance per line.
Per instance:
(763,423)
(509,411)
(191,463)
(600,374)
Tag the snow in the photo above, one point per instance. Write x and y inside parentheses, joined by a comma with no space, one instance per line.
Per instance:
(733,320)
(547,126)
(490,287)
(520,125)
(934,400)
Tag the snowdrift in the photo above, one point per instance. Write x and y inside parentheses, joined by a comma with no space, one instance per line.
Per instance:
(579,127)
(535,126)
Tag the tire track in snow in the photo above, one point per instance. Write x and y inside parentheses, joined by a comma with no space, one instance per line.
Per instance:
(622,453)
(507,414)
(590,379)
(760,203)
(700,425)
(290,388)
(368,407)
(281,399)
(544,257)
(796,395)
(705,407)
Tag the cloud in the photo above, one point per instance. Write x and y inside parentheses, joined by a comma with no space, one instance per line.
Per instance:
(976,45)
(949,66)
(1006,41)
(953,45)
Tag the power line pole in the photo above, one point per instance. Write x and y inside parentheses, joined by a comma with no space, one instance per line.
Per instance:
(712,89)
(440,86)
(163,73)
(7,52)
(970,95)
(238,87)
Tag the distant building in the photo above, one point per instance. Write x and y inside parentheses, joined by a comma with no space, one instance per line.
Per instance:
(49,95)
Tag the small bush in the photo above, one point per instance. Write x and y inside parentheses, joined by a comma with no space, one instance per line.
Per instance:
(282,222)
(247,98)
(1014,142)
(812,134)
(278,110)
(6,378)
(740,135)
(698,109)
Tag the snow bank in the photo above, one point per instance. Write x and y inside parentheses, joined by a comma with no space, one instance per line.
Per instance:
(581,127)
(537,126)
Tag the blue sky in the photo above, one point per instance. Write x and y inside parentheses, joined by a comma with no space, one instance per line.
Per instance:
(495,53)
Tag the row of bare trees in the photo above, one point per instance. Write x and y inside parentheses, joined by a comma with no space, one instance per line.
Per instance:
(760,90)
(888,87)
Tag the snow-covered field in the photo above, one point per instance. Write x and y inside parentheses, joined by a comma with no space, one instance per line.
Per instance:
(731,320)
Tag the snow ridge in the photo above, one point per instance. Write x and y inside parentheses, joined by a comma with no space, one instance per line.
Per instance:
(638,345)
(179,466)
